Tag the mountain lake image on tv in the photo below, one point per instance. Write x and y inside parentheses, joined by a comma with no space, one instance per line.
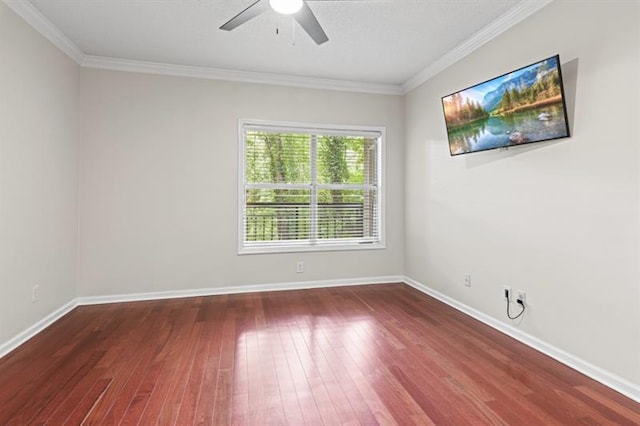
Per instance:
(523,106)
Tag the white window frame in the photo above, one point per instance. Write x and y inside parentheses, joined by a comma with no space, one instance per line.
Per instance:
(314,245)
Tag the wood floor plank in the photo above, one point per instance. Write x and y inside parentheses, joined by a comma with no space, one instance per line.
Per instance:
(57,383)
(63,404)
(364,355)
(189,403)
(296,358)
(122,359)
(85,404)
(156,403)
(613,407)
(212,313)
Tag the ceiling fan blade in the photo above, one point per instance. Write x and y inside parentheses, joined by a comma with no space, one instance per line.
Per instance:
(310,24)
(250,12)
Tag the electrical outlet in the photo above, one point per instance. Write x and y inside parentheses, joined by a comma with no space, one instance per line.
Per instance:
(467,280)
(506,293)
(300,267)
(521,295)
(35,293)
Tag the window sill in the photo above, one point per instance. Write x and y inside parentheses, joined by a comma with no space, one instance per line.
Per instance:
(293,248)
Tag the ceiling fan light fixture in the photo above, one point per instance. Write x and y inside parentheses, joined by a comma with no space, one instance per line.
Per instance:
(286,7)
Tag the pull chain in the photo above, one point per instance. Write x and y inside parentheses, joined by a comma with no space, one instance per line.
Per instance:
(293,32)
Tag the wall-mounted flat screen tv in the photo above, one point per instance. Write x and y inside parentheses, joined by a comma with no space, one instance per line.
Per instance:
(523,106)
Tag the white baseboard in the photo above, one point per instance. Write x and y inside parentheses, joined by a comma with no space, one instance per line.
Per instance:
(300,285)
(36,328)
(30,332)
(607,378)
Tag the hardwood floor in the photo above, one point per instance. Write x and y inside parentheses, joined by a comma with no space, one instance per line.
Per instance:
(383,354)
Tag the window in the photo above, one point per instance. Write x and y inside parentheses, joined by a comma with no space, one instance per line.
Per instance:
(308,188)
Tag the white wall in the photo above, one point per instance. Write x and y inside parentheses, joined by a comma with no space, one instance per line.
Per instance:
(556,219)
(159,182)
(158,195)
(38,175)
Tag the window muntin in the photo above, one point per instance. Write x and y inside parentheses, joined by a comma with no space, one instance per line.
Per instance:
(306,188)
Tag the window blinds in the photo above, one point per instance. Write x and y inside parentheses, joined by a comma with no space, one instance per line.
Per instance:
(310,186)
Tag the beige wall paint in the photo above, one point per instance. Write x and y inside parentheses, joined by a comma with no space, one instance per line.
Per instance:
(38,175)
(158,203)
(556,219)
(159,182)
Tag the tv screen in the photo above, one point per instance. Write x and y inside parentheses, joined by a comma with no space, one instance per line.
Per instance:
(523,106)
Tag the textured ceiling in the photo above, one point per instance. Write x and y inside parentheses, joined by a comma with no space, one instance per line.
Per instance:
(370,41)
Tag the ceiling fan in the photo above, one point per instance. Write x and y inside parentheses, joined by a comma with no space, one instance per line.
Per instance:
(298,8)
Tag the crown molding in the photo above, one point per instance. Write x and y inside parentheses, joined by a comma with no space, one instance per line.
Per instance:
(40,23)
(37,20)
(507,20)
(128,65)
